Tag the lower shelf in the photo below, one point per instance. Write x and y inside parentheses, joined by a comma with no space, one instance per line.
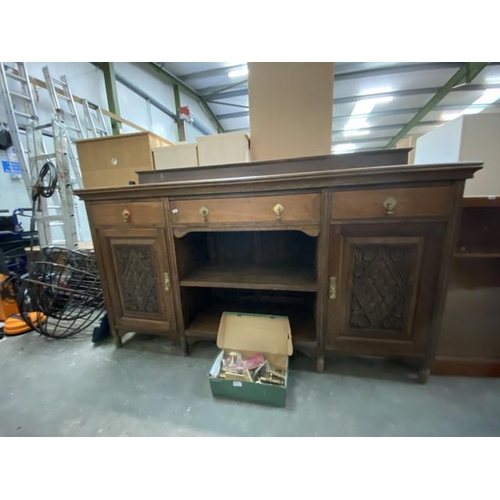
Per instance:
(206,324)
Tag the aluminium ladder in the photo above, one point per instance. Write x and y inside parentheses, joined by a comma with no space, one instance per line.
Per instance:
(15,87)
(94,120)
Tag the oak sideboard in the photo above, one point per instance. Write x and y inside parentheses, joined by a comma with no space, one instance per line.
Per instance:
(357,258)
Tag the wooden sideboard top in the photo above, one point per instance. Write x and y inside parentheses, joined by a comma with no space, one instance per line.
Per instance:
(358,177)
(371,158)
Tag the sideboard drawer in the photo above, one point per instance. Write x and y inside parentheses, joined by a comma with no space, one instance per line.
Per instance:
(280,209)
(397,202)
(126,214)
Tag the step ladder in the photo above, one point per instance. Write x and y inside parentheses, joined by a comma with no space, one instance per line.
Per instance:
(55,218)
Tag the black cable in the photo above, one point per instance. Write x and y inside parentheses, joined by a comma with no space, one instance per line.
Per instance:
(44,187)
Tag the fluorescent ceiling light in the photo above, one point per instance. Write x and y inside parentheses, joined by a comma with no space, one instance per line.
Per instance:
(380,90)
(354,133)
(473,110)
(450,116)
(343,148)
(355,123)
(365,106)
(238,72)
(489,97)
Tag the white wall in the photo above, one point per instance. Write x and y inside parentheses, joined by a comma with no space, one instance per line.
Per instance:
(200,117)
(481,142)
(465,139)
(441,145)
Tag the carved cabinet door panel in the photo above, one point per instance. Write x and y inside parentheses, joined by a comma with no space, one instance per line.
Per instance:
(138,280)
(383,278)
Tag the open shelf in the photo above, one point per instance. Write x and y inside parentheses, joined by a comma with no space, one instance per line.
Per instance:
(204,317)
(252,277)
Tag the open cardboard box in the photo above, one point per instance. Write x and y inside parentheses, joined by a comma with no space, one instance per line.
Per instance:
(250,334)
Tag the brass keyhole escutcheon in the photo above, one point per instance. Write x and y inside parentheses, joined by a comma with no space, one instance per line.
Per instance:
(389,204)
(204,213)
(278,209)
(126,216)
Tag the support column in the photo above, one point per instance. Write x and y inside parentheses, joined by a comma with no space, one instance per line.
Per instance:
(112,94)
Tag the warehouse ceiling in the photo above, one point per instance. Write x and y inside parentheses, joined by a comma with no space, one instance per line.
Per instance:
(376,104)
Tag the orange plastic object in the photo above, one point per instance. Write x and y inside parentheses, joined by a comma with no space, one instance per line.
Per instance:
(15,325)
(7,306)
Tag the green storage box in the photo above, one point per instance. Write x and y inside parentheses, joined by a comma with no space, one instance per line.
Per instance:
(250,333)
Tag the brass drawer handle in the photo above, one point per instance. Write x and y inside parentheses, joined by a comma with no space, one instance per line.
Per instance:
(166,279)
(333,288)
(389,204)
(204,213)
(126,216)
(278,210)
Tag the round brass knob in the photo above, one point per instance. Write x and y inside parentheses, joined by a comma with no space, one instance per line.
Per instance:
(278,209)
(204,213)
(126,215)
(389,204)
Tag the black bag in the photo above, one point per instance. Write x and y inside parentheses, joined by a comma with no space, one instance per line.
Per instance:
(5,139)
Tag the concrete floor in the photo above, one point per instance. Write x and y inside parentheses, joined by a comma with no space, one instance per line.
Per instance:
(147,388)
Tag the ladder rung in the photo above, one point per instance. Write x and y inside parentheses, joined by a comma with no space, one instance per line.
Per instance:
(49,218)
(63,96)
(20,96)
(15,77)
(43,125)
(24,115)
(73,128)
(58,82)
(42,157)
(65,112)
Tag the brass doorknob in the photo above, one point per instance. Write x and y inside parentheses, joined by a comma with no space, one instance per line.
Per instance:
(278,209)
(204,213)
(126,215)
(389,204)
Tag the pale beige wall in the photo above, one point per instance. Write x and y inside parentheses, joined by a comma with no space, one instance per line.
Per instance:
(291,107)
(481,142)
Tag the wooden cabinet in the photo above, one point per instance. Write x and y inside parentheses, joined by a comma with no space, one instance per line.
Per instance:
(114,160)
(322,247)
(382,283)
(137,277)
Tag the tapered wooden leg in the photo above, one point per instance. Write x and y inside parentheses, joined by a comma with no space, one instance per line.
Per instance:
(118,340)
(423,375)
(320,364)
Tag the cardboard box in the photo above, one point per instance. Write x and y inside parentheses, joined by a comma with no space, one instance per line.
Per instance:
(176,156)
(221,149)
(252,333)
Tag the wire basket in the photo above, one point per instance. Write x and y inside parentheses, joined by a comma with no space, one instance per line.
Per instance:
(68,298)
(74,258)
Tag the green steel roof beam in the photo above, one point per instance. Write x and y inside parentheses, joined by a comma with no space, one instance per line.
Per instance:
(108,71)
(172,79)
(465,74)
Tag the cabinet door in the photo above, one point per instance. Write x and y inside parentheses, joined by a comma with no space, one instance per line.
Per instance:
(137,277)
(383,279)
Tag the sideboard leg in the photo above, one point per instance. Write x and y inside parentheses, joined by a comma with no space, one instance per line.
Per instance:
(320,364)
(423,375)
(185,347)
(118,340)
